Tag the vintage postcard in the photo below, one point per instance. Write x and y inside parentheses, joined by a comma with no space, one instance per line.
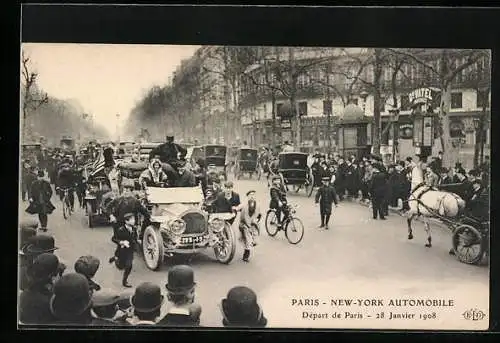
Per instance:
(254,186)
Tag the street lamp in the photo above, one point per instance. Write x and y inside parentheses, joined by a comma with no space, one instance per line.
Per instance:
(394,113)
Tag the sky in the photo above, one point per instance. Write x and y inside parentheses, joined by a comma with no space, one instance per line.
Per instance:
(106,79)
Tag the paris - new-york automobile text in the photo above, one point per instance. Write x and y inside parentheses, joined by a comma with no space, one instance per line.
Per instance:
(360,308)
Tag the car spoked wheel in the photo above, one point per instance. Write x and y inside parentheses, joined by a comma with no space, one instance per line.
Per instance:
(152,248)
(294,230)
(271,223)
(226,247)
(468,244)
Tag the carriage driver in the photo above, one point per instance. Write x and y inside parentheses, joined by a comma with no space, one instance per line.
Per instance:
(278,198)
(168,152)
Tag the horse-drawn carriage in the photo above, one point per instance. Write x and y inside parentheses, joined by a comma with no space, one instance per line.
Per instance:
(247,162)
(180,224)
(294,171)
(469,222)
(214,155)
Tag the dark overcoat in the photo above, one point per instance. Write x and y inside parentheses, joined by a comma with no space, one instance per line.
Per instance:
(34,306)
(124,255)
(326,196)
(40,192)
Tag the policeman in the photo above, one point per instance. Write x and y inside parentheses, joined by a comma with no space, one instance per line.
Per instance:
(325,197)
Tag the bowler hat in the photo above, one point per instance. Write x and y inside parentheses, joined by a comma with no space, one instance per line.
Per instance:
(241,307)
(44,266)
(71,297)
(180,279)
(147,298)
(40,244)
(250,192)
(325,178)
(105,297)
(87,265)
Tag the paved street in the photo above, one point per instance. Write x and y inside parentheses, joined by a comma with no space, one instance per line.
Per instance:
(355,248)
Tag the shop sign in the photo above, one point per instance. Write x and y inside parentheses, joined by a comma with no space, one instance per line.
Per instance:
(406,131)
(421,96)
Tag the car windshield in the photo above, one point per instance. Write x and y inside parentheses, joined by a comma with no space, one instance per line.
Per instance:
(215,151)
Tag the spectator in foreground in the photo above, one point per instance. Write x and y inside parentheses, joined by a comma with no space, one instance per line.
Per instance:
(88,266)
(146,301)
(71,301)
(105,310)
(180,294)
(34,301)
(240,309)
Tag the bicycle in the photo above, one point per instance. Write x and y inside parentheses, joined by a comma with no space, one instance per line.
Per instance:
(66,203)
(291,224)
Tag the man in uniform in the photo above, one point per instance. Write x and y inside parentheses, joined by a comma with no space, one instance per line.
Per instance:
(325,197)
(168,152)
(378,188)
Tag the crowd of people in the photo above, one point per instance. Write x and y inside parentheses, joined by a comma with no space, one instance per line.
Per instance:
(51,296)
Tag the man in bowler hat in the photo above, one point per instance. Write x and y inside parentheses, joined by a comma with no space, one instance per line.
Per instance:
(40,203)
(36,246)
(240,309)
(146,301)
(180,287)
(125,239)
(71,300)
(35,299)
(326,196)
(378,189)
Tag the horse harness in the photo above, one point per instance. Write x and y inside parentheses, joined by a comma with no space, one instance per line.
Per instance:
(429,188)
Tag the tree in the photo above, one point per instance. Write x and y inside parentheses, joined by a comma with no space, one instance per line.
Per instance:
(451,62)
(32,99)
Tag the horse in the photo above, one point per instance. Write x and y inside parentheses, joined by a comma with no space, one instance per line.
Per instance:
(427,202)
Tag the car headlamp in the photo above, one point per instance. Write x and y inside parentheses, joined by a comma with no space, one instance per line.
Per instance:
(216,225)
(177,226)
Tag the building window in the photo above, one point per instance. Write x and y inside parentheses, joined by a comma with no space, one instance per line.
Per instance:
(405,103)
(279,109)
(456,100)
(303,108)
(482,99)
(382,104)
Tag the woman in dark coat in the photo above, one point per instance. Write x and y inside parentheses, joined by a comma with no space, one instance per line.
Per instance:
(40,203)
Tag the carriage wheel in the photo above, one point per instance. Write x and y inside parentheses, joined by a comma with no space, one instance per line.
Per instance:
(271,223)
(152,248)
(294,230)
(310,187)
(468,244)
(224,253)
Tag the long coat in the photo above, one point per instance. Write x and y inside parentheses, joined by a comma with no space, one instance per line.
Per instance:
(41,192)
(326,196)
(168,152)
(125,255)
(378,186)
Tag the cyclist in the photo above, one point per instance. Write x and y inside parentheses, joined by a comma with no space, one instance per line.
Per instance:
(278,199)
(66,180)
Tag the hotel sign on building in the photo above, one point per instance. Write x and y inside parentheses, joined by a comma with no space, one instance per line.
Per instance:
(423,96)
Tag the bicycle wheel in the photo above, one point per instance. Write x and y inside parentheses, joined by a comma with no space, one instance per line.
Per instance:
(271,223)
(294,230)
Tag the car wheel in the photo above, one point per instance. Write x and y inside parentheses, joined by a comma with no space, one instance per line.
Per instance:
(152,248)
(225,253)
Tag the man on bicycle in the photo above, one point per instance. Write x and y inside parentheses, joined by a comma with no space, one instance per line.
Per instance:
(66,180)
(278,199)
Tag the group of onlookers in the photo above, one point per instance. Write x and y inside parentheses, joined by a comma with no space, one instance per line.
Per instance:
(51,296)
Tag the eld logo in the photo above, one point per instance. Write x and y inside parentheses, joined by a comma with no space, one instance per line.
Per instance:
(474,314)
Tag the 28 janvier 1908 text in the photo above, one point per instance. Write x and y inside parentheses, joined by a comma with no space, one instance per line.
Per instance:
(380,315)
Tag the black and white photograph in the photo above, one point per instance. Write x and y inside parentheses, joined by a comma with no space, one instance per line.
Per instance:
(224,186)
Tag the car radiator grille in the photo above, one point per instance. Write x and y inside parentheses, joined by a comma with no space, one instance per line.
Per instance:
(195,223)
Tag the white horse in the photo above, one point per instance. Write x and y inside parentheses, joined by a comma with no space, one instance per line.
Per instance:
(426,202)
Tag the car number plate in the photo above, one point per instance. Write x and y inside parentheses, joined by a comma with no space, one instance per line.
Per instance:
(199,239)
